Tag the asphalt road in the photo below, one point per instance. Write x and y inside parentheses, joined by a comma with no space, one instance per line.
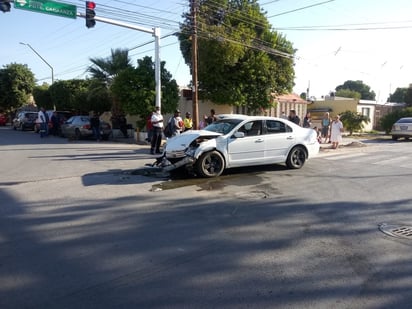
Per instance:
(78,229)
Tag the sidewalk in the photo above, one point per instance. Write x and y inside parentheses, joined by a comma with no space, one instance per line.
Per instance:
(347,141)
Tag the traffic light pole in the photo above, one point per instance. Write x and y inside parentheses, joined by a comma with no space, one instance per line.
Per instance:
(155,32)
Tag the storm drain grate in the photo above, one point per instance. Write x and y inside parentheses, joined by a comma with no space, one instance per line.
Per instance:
(396,230)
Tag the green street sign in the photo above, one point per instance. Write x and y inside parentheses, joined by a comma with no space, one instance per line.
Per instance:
(47,7)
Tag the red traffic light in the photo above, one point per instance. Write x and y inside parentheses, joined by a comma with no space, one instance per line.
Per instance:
(90,5)
(90,14)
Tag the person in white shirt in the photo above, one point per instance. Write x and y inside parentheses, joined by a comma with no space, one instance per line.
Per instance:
(178,123)
(157,122)
(43,122)
(336,129)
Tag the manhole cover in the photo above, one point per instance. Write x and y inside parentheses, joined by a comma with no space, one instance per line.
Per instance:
(396,230)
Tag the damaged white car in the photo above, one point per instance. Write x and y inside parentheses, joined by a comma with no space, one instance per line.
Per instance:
(239,140)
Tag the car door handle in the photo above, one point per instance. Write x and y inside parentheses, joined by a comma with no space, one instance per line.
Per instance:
(259,140)
(289,137)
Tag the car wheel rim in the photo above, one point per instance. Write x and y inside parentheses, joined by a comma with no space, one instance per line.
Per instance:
(298,157)
(212,164)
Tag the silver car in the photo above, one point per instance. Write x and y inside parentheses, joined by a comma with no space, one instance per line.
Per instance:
(402,128)
(79,127)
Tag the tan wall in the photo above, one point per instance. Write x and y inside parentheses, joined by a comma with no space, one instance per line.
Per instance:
(336,106)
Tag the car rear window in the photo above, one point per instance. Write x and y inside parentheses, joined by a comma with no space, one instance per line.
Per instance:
(404,120)
(31,116)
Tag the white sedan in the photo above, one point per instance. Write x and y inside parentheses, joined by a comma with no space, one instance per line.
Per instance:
(240,140)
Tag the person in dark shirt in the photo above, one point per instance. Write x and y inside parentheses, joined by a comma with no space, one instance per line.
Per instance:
(212,117)
(55,120)
(293,117)
(95,124)
(123,126)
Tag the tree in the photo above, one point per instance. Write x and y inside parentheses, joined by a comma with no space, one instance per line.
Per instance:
(16,85)
(105,70)
(408,96)
(136,90)
(41,95)
(70,95)
(398,96)
(347,93)
(241,60)
(358,86)
(353,121)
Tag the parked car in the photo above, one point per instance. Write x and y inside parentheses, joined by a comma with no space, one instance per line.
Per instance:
(3,120)
(240,140)
(25,121)
(402,128)
(63,117)
(79,127)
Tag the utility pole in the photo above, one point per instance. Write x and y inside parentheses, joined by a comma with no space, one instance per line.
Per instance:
(195,105)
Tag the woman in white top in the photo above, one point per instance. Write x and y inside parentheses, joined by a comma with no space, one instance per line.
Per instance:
(336,129)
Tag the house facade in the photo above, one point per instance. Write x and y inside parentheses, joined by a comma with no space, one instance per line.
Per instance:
(281,103)
(337,105)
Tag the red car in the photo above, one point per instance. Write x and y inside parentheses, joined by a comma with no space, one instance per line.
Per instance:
(3,120)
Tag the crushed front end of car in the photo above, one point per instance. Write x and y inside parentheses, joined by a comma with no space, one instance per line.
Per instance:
(181,151)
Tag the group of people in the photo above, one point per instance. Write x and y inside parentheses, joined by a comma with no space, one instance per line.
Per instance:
(176,124)
(48,125)
(330,131)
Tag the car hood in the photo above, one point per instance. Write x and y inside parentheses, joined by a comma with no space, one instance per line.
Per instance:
(182,141)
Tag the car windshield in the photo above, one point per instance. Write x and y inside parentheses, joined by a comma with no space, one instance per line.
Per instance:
(223,126)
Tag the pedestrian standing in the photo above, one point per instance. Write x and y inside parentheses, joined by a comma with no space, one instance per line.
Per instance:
(188,122)
(95,124)
(177,123)
(212,117)
(293,117)
(55,121)
(307,121)
(336,132)
(149,127)
(157,123)
(43,122)
(123,125)
(326,127)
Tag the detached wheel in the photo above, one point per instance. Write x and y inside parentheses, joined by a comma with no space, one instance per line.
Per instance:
(296,158)
(210,164)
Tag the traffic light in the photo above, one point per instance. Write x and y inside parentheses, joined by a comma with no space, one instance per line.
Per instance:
(90,14)
(5,6)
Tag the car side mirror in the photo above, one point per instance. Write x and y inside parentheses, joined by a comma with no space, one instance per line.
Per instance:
(239,134)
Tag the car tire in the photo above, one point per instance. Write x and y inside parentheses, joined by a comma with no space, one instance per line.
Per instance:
(296,158)
(77,134)
(105,137)
(394,138)
(210,164)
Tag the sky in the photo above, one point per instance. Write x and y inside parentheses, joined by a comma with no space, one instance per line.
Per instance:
(336,40)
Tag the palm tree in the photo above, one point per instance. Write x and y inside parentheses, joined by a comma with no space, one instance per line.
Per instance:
(106,69)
